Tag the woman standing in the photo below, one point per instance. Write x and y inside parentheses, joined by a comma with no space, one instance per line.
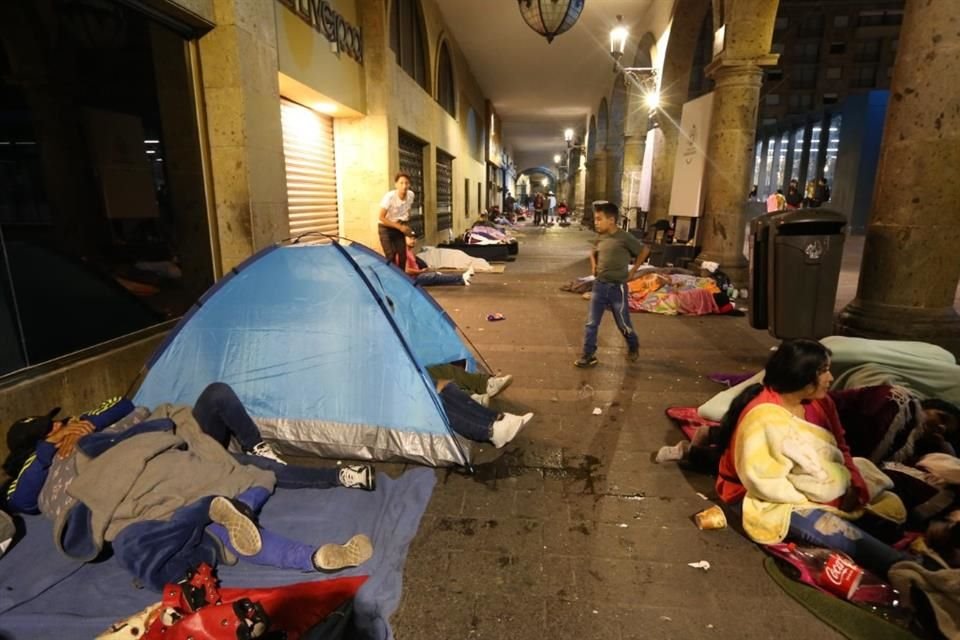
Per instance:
(394,214)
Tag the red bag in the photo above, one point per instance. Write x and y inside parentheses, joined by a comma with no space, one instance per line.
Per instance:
(200,608)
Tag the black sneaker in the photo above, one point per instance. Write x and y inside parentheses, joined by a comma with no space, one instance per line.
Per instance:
(633,355)
(358,476)
(585,362)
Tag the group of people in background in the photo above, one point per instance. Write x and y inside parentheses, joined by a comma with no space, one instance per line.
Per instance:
(814,195)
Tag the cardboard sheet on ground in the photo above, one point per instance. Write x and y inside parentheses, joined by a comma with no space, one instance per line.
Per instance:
(45,595)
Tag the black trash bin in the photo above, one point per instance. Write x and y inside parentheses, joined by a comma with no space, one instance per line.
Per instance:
(759,271)
(804,256)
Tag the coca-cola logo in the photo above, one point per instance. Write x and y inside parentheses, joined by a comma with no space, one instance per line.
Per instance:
(837,570)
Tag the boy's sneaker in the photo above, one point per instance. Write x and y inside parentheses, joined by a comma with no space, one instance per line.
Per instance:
(633,355)
(333,557)
(585,361)
(358,476)
(481,399)
(507,427)
(238,519)
(496,384)
(266,450)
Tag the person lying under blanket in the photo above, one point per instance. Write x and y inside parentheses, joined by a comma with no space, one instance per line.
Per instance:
(161,491)
(926,370)
(423,276)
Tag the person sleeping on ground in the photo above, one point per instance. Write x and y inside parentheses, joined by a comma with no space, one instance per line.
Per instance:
(470,418)
(423,276)
(481,386)
(787,470)
(925,370)
(160,490)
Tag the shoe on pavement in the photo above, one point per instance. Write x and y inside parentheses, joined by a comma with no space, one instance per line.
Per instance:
(496,384)
(266,450)
(237,519)
(506,428)
(481,399)
(333,557)
(358,476)
(585,362)
(633,355)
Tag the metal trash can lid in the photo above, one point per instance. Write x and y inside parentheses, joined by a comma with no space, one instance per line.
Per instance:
(807,216)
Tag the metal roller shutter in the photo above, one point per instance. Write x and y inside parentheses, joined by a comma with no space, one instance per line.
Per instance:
(444,190)
(411,163)
(311,170)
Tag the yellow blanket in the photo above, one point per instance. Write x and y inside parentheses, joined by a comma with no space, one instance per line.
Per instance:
(786,463)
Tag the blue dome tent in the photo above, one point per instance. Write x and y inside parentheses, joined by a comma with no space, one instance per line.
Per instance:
(326,345)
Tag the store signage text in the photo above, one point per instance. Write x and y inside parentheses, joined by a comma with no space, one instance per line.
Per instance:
(342,35)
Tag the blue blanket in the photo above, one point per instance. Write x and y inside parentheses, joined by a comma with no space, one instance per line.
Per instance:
(45,595)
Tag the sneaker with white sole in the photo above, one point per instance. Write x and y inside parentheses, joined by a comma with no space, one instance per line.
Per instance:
(333,557)
(266,450)
(506,428)
(496,384)
(358,476)
(466,276)
(481,399)
(237,519)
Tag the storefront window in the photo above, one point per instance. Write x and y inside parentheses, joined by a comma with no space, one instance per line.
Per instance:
(814,153)
(102,214)
(833,147)
(408,39)
(797,154)
(757,162)
(770,181)
(782,145)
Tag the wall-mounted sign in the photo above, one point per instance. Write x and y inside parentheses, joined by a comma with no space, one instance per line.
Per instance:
(320,15)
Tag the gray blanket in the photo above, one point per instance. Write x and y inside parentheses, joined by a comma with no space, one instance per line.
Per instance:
(151,475)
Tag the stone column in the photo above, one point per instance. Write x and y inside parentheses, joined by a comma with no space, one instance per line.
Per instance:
(599,176)
(908,280)
(730,160)
(242,97)
(634,143)
(688,17)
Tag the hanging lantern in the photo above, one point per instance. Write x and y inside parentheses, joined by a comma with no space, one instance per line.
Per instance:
(550,18)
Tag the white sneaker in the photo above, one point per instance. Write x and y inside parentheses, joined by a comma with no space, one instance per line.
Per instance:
(507,428)
(333,557)
(266,450)
(481,399)
(466,276)
(496,384)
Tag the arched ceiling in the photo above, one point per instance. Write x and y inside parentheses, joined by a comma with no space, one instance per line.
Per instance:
(538,89)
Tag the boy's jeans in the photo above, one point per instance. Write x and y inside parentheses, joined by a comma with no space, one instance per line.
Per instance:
(614,297)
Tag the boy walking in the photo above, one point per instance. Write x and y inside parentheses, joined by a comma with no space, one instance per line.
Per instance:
(613,249)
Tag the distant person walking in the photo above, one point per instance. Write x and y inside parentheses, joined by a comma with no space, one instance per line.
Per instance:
(794,197)
(394,214)
(538,205)
(613,249)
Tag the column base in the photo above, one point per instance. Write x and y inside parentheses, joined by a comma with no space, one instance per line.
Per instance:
(872,320)
(736,267)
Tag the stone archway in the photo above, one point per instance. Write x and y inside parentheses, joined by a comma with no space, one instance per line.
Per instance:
(674,83)
(598,173)
(615,131)
(634,135)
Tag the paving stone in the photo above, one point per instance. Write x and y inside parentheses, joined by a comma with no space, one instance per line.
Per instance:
(574,516)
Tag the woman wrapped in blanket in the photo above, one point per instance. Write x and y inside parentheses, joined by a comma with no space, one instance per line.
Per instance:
(787,469)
